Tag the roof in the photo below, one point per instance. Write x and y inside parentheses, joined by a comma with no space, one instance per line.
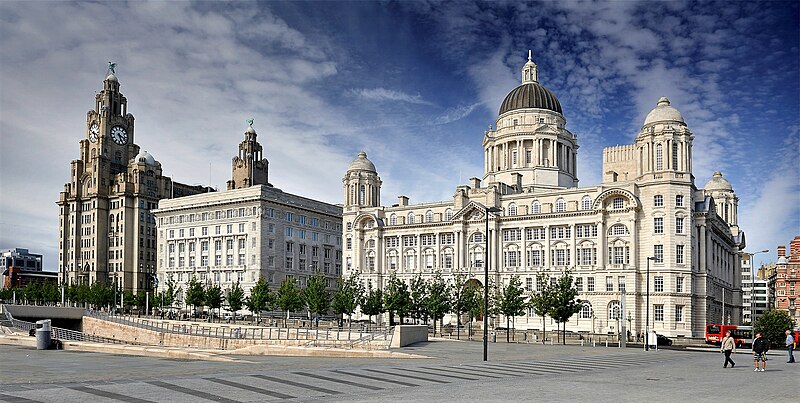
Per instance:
(530,95)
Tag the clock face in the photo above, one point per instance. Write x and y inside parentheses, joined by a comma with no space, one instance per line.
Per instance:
(94,130)
(119,135)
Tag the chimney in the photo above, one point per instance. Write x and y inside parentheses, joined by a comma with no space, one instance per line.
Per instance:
(517,181)
(781,251)
(402,200)
(475,182)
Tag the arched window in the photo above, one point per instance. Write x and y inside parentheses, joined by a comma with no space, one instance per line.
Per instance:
(618,229)
(410,260)
(613,310)
(512,209)
(659,157)
(410,218)
(561,206)
(448,214)
(536,207)
(429,259)
(586,311)
(429,216)
(618,203)
(675,155)
(586,203)
(371,244)
(361,195)
(393,219)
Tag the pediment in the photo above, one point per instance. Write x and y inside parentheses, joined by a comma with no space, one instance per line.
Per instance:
(472,211)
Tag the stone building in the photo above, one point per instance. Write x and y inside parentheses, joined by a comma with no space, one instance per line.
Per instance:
(787,279)
(647,207)
(251,230)
(106,227)
(19,267)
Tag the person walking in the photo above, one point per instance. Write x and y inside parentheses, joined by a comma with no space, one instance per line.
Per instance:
(760,348)
(790,346)
(728,347)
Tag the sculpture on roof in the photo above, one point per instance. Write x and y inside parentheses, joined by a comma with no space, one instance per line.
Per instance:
(112,67)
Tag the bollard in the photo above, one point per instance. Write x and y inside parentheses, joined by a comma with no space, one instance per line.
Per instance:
(606,342)
(581,342)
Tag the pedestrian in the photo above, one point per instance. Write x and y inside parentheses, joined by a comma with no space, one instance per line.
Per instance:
(728,347)
(760,348)
(790,346)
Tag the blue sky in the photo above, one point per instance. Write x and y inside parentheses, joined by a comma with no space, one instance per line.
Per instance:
(414,84)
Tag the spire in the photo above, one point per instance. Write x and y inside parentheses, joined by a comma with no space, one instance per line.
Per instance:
(530,73)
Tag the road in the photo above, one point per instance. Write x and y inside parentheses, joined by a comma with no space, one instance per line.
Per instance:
(515,372)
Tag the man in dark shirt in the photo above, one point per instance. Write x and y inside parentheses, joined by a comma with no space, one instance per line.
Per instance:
(760,348)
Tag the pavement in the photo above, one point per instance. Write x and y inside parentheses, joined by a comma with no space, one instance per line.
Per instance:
(455,372)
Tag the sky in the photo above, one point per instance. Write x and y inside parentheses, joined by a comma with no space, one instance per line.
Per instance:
(413,83)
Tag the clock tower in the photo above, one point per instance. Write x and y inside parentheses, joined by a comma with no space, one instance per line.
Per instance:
(107,232)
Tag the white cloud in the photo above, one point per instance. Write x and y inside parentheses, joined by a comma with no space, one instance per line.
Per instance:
(387,95)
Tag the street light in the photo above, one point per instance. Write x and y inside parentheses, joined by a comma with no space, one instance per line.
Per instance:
(753,285)
(647,308)
(488,210)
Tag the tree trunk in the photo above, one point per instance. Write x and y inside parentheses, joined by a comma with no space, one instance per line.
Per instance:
(544,330)
(508,328)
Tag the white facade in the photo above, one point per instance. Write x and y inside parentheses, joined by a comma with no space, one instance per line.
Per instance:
(646,206)
(246,232)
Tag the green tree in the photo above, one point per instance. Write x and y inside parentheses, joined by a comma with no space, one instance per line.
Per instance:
(169,293)
(565,304)
(773,325)
(348,296)
(260,298)
(288,297)
(419,295)
(473,303)
(439,299)
(541,302)
(511,301)
(373,302)
(235,299)
(128,299)
(213,298)
(195,295)
(397,299)
(140,300)
(316,297)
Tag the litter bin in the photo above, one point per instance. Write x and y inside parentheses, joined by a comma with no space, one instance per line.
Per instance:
(494,337)
(43,332)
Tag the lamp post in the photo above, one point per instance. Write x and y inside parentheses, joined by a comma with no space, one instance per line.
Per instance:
(753,285)
(492,210)
(647,308)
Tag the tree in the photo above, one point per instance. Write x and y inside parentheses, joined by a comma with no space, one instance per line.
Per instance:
(438,301)
(260,298)
(349,294)
(213,298)
(288,297)
(235,299)
(139,300)
(195,296)
(511,301)
(419,298)
(773,325)
(473,303)
(397,299)
(541,302)
(169,293)
(316,297)
(564,302)
(373,302)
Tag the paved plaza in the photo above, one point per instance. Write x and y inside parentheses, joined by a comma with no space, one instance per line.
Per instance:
(515,372)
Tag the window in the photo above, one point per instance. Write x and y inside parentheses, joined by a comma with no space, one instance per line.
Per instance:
(230,228)
(511,235)
(621,283)
(529,284)
(393,219)
(658,201)
(618,203)
(579,283)
(586,203)
(587,256)
(447,259)
(349,244)
(658,284)
(289,262)
(590,284)
(679,284)
(658,313)
(586,311)
(674,155)
(447,238)
(659,159)
(614,310)
(536,207)
(427,239)
(658,253)
(658,225)
(409,240)
(289,231)
(289,247)
(477,237)
(229,244)
(349,226)
(679,254)
(586,231)
(448,214)
(679,225)
(410,218)
(429,216)
(511,258)
(679,201)
(609,283)
(290,218)
(561,206)
(618,229)
(678,313)
(562,232)
(512,209)
(391,242)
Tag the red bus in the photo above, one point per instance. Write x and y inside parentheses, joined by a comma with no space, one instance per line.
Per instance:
(742,335)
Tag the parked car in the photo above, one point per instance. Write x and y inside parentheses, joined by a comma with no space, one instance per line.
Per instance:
(230,316)
(663,340)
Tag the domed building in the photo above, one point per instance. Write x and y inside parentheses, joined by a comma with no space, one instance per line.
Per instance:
(647,216)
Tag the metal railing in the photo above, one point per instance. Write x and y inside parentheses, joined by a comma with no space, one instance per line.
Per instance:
(59,333)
